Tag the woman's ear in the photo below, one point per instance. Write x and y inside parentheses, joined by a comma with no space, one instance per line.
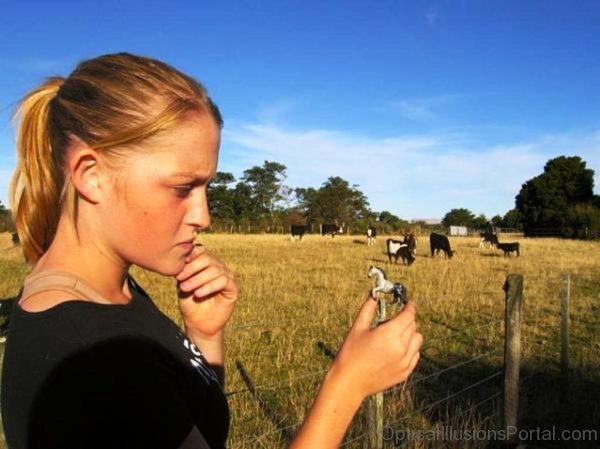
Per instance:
(85,172)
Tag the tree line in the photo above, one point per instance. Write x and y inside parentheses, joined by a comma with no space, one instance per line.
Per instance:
(560,202)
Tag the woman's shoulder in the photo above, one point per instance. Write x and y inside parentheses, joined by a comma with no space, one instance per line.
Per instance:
(47,289)
(43,301)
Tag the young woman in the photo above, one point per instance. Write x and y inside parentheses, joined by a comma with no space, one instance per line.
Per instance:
(113,167)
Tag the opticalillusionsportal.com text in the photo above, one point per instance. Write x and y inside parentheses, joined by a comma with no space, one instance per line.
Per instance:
(449,433)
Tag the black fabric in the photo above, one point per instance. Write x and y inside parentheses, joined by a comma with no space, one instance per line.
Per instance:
(88,375)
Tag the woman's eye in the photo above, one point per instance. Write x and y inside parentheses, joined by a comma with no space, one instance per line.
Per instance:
(183,190)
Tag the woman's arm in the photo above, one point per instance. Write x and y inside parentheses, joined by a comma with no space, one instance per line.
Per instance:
(213,350)
(369,361)
(207,295)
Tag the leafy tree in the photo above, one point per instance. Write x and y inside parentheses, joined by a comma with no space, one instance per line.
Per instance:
(583,221)
(480,222)
(388,218)
(496,221)
(6,222)
(221,197)
(334,201)
(512,219)
(305,197)
(244,209)
(266,184)
(546,201)
(458,217)
(391,221)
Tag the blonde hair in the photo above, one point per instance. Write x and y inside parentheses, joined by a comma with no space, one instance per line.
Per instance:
(106,102)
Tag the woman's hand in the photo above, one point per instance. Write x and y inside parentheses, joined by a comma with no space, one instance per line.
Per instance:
(372,360)
(207,292)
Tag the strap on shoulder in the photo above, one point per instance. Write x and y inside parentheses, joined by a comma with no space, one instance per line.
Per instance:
(62,281)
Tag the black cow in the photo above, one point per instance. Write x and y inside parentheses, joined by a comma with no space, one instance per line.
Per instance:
(297,231)
(411,241)
(439,242)
(392,247)
(395,248)
(509,248)
(488,237)
(332,229)
(371,235)
(407,255)
(15,238)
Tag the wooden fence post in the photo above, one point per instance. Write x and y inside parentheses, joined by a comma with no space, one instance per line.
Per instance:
(376,401)
(564,334)
(512,350)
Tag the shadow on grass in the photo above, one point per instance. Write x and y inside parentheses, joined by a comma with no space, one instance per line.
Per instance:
(469,398)
(326,350)
(460,398)
(491,255)
(270,409)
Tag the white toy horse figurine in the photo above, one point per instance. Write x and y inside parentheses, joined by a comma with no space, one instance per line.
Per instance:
(385,286)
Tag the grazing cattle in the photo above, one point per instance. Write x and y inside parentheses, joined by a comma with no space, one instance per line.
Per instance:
(405,249)
(509,248)
(411,241)
(407,255)
(488,237)
(332,229)
(439,242)
(392,247)
(15,238)
(297,231)
(371,235)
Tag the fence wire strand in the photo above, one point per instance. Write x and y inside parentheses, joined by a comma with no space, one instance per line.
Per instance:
(437,373)
(270,386)
(447,398)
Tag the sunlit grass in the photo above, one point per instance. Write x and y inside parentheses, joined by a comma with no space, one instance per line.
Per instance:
(298,298)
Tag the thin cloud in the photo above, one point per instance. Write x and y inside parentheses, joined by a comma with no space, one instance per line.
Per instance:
(422,108)
(413,110)
(410,175)
(432,17)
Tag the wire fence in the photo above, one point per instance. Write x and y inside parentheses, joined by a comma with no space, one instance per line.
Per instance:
(416,380)
(491,390)
(481,395)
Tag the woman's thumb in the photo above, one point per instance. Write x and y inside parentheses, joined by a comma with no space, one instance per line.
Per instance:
(366,314)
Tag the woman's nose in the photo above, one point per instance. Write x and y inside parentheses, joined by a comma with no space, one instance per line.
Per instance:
(199,215)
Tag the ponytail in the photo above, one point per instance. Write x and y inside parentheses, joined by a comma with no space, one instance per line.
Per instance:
(37,183)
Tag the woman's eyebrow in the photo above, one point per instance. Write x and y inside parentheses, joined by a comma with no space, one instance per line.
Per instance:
(192,177)
(188,175)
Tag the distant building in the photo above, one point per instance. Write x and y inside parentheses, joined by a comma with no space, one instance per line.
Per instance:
(458,230)
(427,221)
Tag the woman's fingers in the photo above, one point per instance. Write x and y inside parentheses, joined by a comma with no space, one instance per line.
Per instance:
(401,322)
(365,315)
(197,261)
(211,287)
(206,276)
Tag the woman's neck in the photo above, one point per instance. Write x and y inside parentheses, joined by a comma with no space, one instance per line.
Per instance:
(82,254)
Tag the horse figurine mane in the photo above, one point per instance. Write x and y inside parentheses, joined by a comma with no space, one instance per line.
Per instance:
(385,286)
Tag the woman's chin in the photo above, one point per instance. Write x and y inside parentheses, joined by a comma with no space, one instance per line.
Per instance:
(167,270)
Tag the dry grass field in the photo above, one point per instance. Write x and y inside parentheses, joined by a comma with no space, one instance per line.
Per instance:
(299,299)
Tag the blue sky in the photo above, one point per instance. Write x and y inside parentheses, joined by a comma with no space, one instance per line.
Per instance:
(425,105)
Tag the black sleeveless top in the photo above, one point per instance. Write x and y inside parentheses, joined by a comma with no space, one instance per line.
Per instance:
(88,375)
